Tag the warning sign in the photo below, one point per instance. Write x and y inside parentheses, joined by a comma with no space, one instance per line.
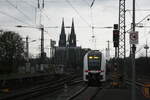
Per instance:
(134,37)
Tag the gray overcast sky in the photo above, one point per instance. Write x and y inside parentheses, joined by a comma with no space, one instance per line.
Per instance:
(103,13)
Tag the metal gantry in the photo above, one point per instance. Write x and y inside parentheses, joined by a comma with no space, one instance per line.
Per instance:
(122,37)
(122,26)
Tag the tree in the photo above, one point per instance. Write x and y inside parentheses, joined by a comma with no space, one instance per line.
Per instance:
(11,51)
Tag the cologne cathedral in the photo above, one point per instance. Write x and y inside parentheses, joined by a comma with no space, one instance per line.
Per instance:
(67,53)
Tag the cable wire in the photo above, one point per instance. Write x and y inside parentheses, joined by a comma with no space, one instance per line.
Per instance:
(92,23)
(78,12)
(30,4)
(92,3)
(46,15)
(139,10)
(86,2)
(37,8)
(14,18)
(18,10)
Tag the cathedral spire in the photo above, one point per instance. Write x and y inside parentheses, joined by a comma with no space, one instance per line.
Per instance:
(63,27)
(72,27)
(72,39)
(62,39)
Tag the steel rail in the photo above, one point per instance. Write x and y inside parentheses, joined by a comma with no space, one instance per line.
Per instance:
(78,93)
(39,90)
(136,82)
(82,90)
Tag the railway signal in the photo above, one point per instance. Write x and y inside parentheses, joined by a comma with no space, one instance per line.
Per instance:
(116,35)
(116,38)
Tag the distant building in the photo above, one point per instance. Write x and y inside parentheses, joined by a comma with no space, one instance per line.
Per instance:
(68,54)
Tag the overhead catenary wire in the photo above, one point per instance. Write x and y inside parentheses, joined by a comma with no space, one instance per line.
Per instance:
(139,22)
(92,23)
(145,18)
(86,2)
(37,8)
(46,15)
(139,10)
(43,4)
(30,4)
(91,17)
(19,10)
(92,3)
(77,12)
(141,47)
(15,18)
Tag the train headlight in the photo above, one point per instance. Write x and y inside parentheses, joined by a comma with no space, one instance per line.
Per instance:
(90,57)
(95,57)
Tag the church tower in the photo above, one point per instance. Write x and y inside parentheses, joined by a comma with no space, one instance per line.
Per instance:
(72,36)
(62,38)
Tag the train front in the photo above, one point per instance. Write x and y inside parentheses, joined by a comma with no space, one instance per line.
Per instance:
(94,67)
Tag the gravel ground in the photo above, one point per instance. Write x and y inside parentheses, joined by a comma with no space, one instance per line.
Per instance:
(63,94)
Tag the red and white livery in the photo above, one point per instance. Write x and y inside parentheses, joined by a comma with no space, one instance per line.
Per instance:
(94,67)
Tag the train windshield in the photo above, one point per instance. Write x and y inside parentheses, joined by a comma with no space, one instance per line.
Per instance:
(94,62)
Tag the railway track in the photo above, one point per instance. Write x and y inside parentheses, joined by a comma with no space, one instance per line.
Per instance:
(42,89)
(138,83)
(87,93)
(17,84)
(142,86)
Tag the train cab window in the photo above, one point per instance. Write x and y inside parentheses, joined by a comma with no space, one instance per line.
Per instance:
(94,62)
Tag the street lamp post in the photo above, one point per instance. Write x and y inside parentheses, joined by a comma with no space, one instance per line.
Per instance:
(28,67)
(133,55)
(146,47)
(42,37)
(27,48)
(42,42)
